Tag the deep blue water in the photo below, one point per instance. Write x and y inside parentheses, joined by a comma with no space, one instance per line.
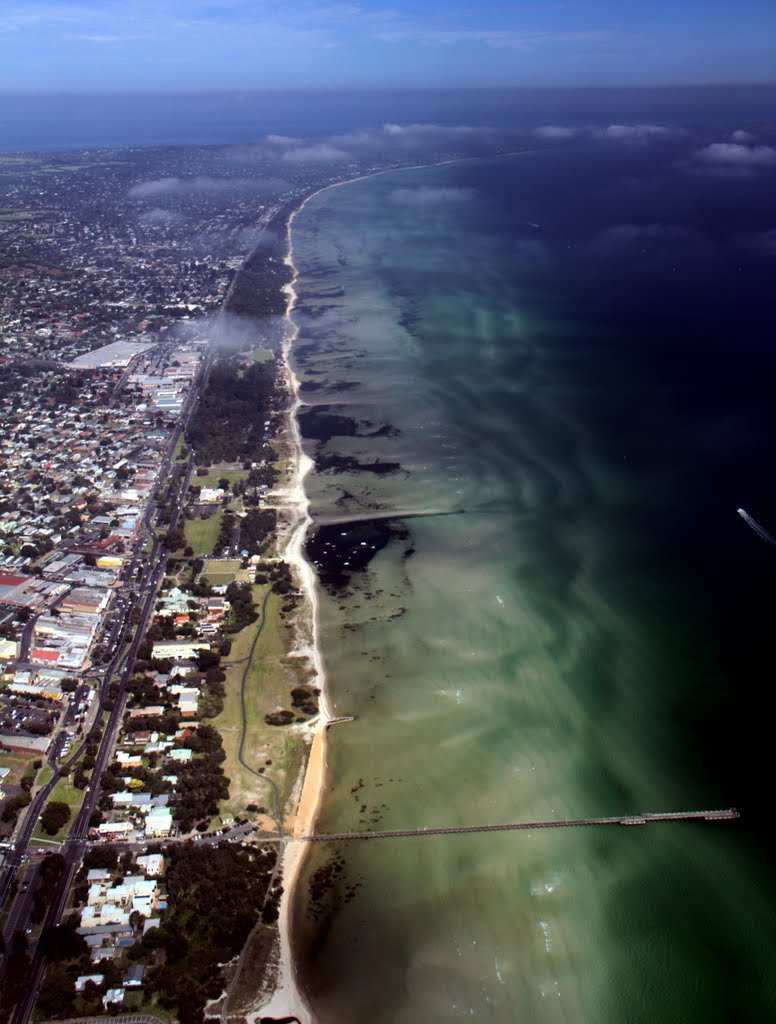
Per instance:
(78,121)
(581,339)
(591,327)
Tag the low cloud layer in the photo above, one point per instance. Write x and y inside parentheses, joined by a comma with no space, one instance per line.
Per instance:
(425,196)
(555,131)
(318,153)
(735,154)
(632,132)
(202,185)
(158,216)
(170,186)
(428,130)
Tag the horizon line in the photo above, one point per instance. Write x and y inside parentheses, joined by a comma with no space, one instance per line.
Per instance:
(320,88)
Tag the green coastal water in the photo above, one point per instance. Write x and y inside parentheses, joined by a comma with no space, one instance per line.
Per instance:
(538,638)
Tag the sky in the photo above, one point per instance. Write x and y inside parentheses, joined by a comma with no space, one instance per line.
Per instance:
(152,45)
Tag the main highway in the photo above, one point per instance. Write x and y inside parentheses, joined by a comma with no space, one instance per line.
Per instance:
(144,572)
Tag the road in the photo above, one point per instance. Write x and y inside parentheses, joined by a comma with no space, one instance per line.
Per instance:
(145,572)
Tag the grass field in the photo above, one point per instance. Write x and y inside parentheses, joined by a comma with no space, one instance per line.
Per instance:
(178,448)
(214,474)
(65,792)
(221,571)
(267,688)
(20,765)
(261,355)
(202,534)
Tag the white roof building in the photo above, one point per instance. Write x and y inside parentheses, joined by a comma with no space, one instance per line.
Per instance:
(158,822)
(152,864)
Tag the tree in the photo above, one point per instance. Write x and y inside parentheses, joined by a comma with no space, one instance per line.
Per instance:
(62,943)
(55,816)
(57,993)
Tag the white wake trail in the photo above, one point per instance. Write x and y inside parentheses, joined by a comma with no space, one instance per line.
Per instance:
(761,532)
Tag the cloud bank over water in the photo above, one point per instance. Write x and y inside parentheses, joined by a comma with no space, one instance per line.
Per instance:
(737,155)
(425,196)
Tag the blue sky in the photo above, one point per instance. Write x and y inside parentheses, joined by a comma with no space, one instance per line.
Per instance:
(259,44)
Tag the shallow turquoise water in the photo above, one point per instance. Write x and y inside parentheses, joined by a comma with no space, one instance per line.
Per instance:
(538,639)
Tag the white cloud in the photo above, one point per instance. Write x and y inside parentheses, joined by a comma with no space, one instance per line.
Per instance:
(632,132)
(178,186)
(415,130)
(736,155)
(555,131)
(282,140)
(740,135)
(318,152)
(425,196)
(159,216)
(495,38)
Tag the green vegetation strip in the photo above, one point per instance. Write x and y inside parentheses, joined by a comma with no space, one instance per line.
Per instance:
(65,793)
(265,688)
(202,534)
(214,474)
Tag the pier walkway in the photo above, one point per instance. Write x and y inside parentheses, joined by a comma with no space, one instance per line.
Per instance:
(728,814)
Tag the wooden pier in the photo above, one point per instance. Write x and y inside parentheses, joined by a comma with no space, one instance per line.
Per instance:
(647,818)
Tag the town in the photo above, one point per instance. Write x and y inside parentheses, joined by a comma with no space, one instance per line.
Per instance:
(136,544)
(157,690)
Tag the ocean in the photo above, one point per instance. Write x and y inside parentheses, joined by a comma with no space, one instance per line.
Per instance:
(537,389)
(71,121)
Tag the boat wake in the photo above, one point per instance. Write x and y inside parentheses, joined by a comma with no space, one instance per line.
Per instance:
(761,532)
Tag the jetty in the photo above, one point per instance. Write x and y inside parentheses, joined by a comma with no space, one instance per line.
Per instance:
(646,818)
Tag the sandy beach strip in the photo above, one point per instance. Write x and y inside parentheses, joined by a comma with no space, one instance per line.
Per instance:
(286,998)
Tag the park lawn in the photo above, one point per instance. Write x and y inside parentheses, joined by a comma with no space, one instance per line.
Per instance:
(202,534)
(221,571)
(178,448)
(267,688)
(67,793)
(20,765)
(214,474)
(134,1002)
(261,355)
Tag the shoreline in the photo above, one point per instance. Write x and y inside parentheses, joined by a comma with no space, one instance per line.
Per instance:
(286,996)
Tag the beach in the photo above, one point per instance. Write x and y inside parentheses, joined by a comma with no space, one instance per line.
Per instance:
(286,998)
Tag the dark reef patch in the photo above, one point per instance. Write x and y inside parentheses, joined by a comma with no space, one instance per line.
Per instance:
(347,464)
(341,549)
(318,423)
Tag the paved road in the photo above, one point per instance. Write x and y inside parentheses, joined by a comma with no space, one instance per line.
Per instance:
(147,572)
